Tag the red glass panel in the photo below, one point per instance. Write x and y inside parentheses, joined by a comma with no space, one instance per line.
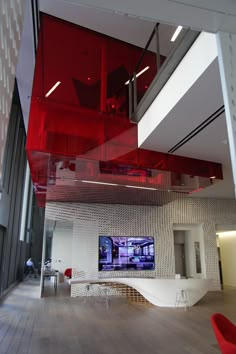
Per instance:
(81,131)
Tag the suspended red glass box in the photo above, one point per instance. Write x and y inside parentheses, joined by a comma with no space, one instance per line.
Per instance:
(79,116)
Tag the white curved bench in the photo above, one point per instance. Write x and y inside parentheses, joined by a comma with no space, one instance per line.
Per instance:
(159,292)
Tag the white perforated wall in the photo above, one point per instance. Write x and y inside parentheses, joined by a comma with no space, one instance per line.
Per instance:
(92,220)
(11,19)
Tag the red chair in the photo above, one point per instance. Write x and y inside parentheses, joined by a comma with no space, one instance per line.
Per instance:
(68,273)
(225,332)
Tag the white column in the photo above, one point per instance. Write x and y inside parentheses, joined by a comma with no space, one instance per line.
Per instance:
(226,44)
(25,204)
(46,222)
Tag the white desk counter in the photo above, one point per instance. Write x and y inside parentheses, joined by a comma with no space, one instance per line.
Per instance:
(159,292)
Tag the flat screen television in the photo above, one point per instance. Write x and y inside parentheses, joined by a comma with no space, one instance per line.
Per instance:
(126,253)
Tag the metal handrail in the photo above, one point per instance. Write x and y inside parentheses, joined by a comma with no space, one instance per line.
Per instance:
(146,47)
(164,70)
(133,77)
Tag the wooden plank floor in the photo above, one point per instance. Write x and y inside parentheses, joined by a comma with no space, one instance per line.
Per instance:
(59,324)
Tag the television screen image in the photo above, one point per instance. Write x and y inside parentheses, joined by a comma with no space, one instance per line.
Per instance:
(126,253)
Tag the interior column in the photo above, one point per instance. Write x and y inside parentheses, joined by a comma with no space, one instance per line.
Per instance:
(226,45)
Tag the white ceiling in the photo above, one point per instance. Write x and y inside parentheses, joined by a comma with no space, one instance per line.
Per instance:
(202,100)
(126,28)
(208,15)
(211,144)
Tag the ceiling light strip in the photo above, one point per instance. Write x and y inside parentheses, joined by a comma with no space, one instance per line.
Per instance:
(176,33)
(138,74)
(119,185)
(129,186)
(105,183)
(226,233)
(152,189)
(53,88)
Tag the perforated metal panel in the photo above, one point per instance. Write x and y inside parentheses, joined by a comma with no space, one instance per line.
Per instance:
(10,32)
(92,220)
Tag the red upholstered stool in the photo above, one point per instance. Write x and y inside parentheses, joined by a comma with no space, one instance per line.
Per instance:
(225,332)
(68,273)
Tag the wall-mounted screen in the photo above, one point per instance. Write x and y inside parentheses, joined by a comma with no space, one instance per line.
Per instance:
(126,253)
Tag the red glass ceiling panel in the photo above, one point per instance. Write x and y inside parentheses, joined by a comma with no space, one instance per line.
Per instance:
(83,122)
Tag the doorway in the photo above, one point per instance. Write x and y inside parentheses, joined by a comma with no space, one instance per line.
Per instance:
(220,266)
(179,248)
(226,245)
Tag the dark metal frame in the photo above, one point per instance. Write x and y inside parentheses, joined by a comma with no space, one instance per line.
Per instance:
(14,252)
(133,103)
(36,22)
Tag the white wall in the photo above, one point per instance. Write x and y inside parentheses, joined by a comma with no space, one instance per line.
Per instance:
(120,220)
(228,260)
(85,247)
(62,249)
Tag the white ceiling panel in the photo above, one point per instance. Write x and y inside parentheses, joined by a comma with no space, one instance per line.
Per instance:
(208,15)
(126,28)
(200,101)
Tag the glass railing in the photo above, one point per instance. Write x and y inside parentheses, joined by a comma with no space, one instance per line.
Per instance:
(159,53)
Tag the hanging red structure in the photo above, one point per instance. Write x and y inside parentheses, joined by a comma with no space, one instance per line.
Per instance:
(81,145)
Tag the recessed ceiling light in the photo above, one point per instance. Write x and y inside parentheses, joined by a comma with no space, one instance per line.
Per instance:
(151,189)
(53,88)
(105,183)
(138,74)
(176,33)
(120,185)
